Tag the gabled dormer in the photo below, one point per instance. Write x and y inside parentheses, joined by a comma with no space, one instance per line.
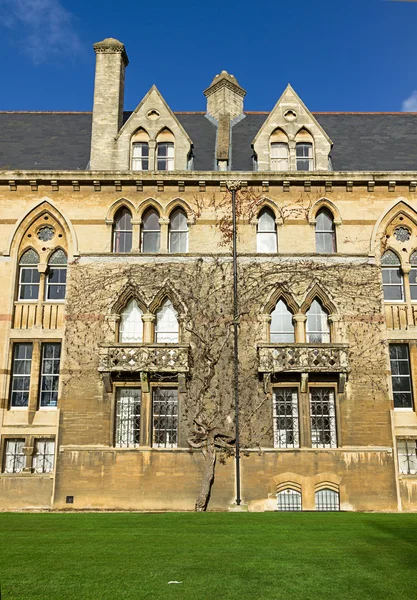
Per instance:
(291,139)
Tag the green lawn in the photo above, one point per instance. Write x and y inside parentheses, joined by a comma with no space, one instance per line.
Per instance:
(216,556)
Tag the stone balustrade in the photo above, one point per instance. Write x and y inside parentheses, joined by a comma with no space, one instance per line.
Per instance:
(305,358)
(170,358)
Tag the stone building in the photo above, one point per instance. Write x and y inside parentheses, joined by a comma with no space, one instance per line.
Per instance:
(117,302)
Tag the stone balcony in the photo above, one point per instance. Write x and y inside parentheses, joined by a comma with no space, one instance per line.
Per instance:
(132,358)
(303,358)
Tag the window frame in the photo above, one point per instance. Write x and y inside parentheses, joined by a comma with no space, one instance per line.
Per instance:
(123,233)
(387,285)
(144,232)
(43,376)
(299,159)
(49,285)
(296,431)
(276,161)
(142,158)
(402,375)
(180,232)
(329,233)
(154,416)
(329,492)
(15,376)
(169,160)
(9,440)
(290,492)
(267,234)
(137,416)
(165,333)
(406,442)
(33,268)
(44,469)
(334,418)
(323,333)
(288,333)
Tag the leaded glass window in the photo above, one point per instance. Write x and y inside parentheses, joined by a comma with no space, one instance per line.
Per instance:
(392,277)
(327,500)
(325,232)
(407,457)
(304,156)
(128,404)
(151,231)
(413,276)
(51,357)
(279,156)
(29,276)
(285,416)
(14,459)
(44,458)
(165,417)
(289,500)
(122,231)
(323,418)
(282,328)
(166,330)
(318,330)
(140,156)
(401,376)
(56,280)
(266,234)
(178,232)
(21,367)
(131,324)
(165,156)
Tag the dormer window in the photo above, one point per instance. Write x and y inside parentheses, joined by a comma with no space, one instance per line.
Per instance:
(279,156)
(165,156)
(140,156)
(304,156)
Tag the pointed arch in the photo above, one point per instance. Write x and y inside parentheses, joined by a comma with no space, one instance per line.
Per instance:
(180,203)
(128,292)
(329,205)
(392,211)
(117,204)
(304,132)
(266,202)
(164,293)
(149,203)
(289,479)
(275,297)
(44,206)
(317,292)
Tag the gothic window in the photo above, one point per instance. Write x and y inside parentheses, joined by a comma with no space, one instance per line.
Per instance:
(304,156)
(401,376)
(285,416)
(289,500)
(140,156)
(131,324)
(178,231)
(165,417)
(266,236)
(44,458)
(122,231)
(413,276)
(282,328)
(325,232)
(318,330)
(56,279)
(166,330)
(407,457)
(49,382)
(21,368)
(392,278)
(14,458)
(323,417)
(165,156)
(279,156)
(151,231)
(29,276)
(128,404)
(327,500)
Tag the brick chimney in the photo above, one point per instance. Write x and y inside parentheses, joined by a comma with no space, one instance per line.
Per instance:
(111,61)
(225,96)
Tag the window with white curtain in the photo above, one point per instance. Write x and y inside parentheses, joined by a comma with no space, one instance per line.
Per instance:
(131,324)
(318,330)
(407,456)
(178,231)
(14,458)
(44,458)
(166,329)
(266,234)
(151,231)
(128,405)
(140,156)
(281,328)
(279,156)
(29,276)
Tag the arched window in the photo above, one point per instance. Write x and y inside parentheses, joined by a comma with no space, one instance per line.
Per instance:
(56,278)
(304,156)
(29,276)
(266,236)
(140,156)
(151,231)
(166,330)
(122,231)
(131,324)
(165,151)
(325,232)
(318,330)
(327,499)
(289,500)
(279,156)
(392,277)
(178,231)
(282,328)
(413,276)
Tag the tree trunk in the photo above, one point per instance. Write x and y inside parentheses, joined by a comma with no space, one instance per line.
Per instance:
(209,454)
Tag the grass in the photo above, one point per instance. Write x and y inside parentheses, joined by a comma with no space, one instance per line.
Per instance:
(216,556)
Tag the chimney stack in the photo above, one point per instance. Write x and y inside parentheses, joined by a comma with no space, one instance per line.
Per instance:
(225,96)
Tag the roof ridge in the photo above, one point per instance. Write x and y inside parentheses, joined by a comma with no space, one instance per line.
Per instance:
(45,112)
(201,112)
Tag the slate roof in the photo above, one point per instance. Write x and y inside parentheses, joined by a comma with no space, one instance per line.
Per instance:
(61,141)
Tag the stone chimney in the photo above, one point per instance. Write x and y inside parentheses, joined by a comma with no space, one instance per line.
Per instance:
(225,96)
(111,61)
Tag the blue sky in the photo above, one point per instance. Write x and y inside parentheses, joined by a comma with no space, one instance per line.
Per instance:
(340,55)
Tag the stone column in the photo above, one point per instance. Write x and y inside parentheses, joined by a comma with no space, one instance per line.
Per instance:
(164,223)
(136,223)
(266,327)
(148,328)
(42,267)
(299,321)
(152,161)
(292,157)
(406,268)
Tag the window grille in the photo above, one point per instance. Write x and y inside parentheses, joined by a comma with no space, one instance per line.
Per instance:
(51,356)
(166,330)
(14,458)
(128,404)
(325,233)
(285,413)
(327,500)
(165,417)
(56,279)
(29,276)
(282,328)
(178,232)
(165,156)
(131,324)
(122,231)
(140,156)
(304,156)
(43,461)
(266,235)
(323,418)
(151,231)
(289,500)
(407,456)
(413,276)
(392,278)
(279,156)
(318,330)
(400,376)
(22,363)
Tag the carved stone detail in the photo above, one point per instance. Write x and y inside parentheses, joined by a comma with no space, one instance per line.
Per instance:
(306,358)
(153,358)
